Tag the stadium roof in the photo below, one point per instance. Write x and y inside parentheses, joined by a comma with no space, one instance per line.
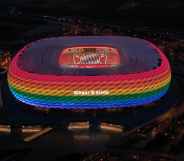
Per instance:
(136,55)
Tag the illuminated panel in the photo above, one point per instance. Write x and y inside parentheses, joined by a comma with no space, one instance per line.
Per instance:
(89,92)
(111,127)
(89,57)
(78,125)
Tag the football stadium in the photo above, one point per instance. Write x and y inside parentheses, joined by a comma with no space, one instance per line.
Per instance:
(89,72)
(85,84)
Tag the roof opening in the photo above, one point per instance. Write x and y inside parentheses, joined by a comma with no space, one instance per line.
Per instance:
(89,57)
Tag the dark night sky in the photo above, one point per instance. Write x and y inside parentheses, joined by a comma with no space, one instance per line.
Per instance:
(102,7)
(160,12)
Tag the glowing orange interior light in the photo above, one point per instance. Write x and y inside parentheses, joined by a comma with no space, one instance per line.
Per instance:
(89,57)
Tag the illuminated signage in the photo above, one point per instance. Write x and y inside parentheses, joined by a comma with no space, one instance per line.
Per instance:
(91,93)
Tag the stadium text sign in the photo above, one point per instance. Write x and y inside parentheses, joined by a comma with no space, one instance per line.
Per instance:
(91,93)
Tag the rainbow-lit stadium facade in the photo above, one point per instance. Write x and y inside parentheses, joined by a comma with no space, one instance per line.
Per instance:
(89,73)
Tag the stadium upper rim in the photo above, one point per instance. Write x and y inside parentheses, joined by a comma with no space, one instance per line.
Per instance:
(44,54)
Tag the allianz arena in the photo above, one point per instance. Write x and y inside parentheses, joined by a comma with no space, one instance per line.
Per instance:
(89,72)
